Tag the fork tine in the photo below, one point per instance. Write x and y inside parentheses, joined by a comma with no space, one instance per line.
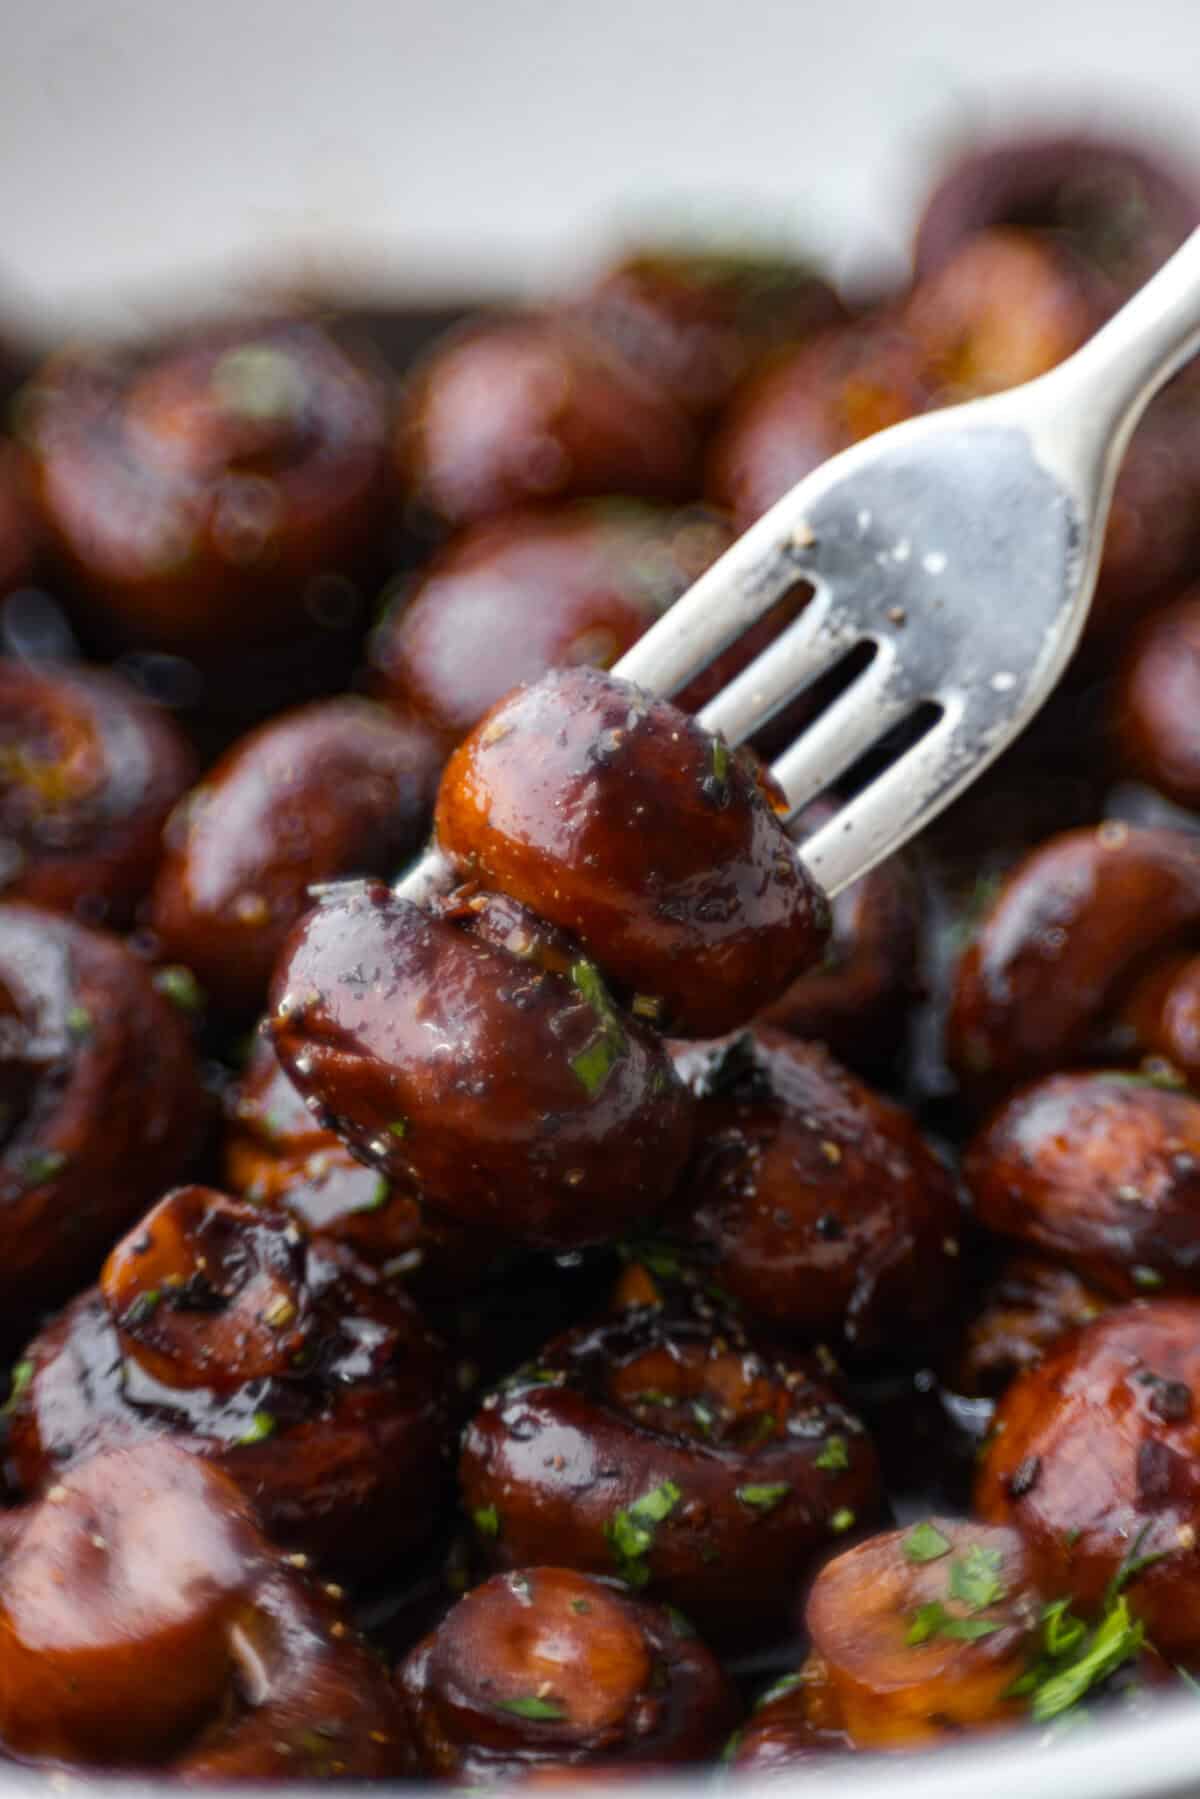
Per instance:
(801,652)
(732,595)
(880,818)
(849,725)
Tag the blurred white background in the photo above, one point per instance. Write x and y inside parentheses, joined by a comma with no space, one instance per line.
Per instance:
(148,148)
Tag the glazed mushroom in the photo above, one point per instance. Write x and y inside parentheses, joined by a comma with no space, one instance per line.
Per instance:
(547,1669)
(17,533)
(336,788)
(277,1154)
(478,1055)
(148,1624)
(842,387)
(288,1364)
(924,1633)
(1041,982)
(1156,699)
(535,589)
(103,1100)
(88,773)
(199,493)
(1021,1314)
(1118,208)
(663,1447)
(509,412)
(1100,1171)
(859,998)
(618,818)
(797,1721)
(815,1202)
(1093,1459)
(698,320)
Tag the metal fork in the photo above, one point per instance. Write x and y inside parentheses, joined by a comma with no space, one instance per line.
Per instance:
(962,547)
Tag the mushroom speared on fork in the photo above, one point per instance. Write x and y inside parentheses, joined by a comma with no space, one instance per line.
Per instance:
(959,550)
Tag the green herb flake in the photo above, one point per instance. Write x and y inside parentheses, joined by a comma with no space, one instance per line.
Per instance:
(377,1198)
(1062,1631)
(582,1606)
(398,1127)
(787,1683)
(180,986)
(843,1520)
(595,1062)
(1146,1279)
(969,1630)
(262,1425)
(630,1531)
(18,1383)
(720,764)
(1133,1564)
(834,1457)
(79,1022)
(976,1578)
(143,1307)
(486,1520)
(765,1497)
(704,1416)
(1116,1640)
(42,1165)
(925,1543)
(925,1623)
(545,1710)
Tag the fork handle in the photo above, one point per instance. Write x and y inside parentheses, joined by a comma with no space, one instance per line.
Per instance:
(1106,386)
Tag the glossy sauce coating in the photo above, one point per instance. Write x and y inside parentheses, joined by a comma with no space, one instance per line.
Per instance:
(107,1107)
(896,1693)
(1094,1458)
(88,773)
(535,589)
(17,536)
(858,1000)
(1074,922)
(277,1154)
(796,1722)
(147,1559)
(616,817)
(287,1364)
(698,321)
(1021,1313)
(194,492)
(507,1087)
(1157,699)
(827,1215)
(547,1668)
(337,788)
(1101,1171)
(664,1448)
(522,410)
(1160,1014)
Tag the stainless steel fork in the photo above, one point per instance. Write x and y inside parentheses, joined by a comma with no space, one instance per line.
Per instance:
(962,547)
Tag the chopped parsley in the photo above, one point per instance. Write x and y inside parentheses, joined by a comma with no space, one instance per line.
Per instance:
(79,1021)
(925,1543)
(262,1425)
(19,1381)
(593,1064)
(377,1198)
(486,1520)
(843,1519)
(976,1578)
(398,1127)
(834,1457)
(933,1620)
(631,1531)
(766,1496)
(1147,1279)
(1061,1680)
(545,1710)
(180,986)
(42,1165)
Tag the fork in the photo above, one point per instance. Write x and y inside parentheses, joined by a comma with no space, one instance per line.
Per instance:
(961,548)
